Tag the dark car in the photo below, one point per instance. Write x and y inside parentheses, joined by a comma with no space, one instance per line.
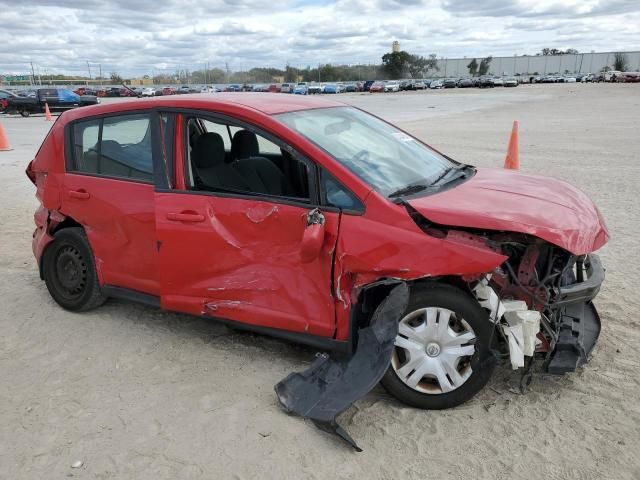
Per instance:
(486,82)
(56,99)
(449,83)
(367,85)
(465,83)
(407,85)
(5,95)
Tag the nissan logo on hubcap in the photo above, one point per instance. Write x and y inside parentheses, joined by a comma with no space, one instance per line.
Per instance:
(433,349)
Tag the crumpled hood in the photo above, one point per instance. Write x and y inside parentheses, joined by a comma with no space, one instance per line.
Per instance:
(496,199)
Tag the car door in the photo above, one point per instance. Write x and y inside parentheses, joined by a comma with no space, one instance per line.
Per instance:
(108,188)
(239,255)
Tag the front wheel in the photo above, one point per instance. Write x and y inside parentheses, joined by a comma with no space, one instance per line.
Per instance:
(24,113)
(69,271)
(442,356)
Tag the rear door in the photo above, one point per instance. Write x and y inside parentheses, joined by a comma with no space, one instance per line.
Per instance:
(237,254)
(108,188)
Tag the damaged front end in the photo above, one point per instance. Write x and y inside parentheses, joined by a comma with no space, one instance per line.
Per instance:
(330,385)
(541,299)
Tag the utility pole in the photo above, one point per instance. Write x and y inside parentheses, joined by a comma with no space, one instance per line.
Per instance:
(33,75)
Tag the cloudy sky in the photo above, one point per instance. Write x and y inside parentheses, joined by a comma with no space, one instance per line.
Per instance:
(134,37)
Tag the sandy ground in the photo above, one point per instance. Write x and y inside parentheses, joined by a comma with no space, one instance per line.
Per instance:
(135,393)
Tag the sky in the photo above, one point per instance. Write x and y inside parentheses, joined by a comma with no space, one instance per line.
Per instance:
(137,37)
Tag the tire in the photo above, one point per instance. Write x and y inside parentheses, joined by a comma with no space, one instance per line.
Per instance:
(69,271)
(24,113)
(473,371)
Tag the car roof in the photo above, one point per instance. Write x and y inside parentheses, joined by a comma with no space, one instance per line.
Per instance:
(267,103)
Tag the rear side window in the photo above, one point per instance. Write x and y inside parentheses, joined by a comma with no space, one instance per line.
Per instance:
(114,147)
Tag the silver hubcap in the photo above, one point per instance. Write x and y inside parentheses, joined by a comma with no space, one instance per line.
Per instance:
(433,350)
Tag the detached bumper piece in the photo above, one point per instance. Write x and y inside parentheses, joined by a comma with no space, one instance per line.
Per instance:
(579,327)
(329,386)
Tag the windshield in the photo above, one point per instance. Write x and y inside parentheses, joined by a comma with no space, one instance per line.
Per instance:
(381,155)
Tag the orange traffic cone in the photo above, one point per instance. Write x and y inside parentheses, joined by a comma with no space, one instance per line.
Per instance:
(47,113)
(4,143)
(512,161)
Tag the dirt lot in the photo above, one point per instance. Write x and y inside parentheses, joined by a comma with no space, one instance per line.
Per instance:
(136,393)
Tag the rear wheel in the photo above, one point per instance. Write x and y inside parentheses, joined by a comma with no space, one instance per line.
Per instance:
(442,355)
(69,271)
(24,113)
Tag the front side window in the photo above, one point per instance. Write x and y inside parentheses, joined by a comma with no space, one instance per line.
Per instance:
(384,157)
(228,158)
(114,147)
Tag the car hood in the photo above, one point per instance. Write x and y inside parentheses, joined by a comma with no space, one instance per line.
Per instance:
(496,199)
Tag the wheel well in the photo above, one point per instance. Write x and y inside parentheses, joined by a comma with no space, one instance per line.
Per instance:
(372,294)
(68,222)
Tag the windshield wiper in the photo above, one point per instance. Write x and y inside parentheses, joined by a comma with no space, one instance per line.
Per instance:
(409,189)
(459,169)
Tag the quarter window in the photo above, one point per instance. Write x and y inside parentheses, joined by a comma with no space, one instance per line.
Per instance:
(114,147)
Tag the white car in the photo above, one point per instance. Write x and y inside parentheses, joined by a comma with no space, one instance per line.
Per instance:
(570,79)
(392,87)
(497,82)
(436,84)
(510,82)
(148,92)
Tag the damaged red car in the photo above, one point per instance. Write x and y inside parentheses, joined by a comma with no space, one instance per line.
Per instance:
(319,223)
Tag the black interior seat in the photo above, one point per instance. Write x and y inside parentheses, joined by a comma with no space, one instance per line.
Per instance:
(244,145)
(261,173)
(208,162)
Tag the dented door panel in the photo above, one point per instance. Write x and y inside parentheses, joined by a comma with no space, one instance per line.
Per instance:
(118,217)
(242,262)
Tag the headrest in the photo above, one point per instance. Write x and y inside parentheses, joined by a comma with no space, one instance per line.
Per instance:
(244,145)
(208,150)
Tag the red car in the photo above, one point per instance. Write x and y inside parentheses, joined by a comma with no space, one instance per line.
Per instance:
(377,87)
(274,88)
(169,91)
(316,222)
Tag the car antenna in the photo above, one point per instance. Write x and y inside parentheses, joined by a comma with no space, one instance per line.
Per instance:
(132,90)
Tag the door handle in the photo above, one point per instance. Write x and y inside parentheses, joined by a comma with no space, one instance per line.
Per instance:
(79,194)
(185,217)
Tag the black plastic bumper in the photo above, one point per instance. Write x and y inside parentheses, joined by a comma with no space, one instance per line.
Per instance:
(579,322)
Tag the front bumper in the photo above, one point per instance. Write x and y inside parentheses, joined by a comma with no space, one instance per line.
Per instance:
(578,320)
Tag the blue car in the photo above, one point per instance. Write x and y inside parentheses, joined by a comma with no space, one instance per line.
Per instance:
(331,88)
(300,89)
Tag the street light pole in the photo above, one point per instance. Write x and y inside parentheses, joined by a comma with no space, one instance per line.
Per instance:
(89,68)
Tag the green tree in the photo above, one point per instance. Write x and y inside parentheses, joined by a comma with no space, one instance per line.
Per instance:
(484,65)
(473,67)
(419,65)
(395,64)
(290,73)
(115,77)
(620,62)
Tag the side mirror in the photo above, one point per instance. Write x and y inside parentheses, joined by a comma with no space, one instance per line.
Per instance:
(313,236)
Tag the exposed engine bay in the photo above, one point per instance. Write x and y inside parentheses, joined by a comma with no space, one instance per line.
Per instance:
(540,300)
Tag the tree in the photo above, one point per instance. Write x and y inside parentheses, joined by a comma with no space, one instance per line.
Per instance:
(555,51)
(473,67)
(115,78)
(419,65)
(484,65)
(290,74)
(620,62)
(395,64)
